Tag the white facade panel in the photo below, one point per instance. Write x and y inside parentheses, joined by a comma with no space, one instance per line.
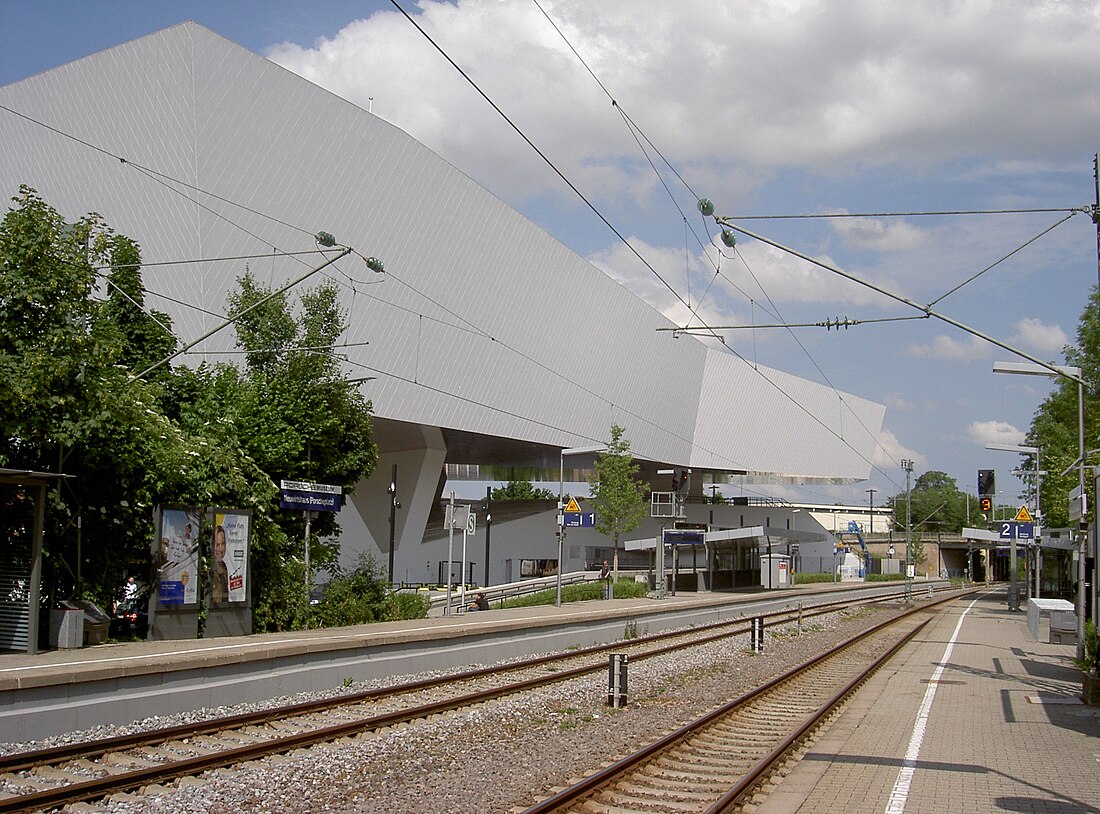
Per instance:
(483,322)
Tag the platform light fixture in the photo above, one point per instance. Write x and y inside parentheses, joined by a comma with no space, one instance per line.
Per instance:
(561,506)
(1073,374)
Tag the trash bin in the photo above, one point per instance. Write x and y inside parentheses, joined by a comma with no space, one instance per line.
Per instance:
(97,624)
(66,627)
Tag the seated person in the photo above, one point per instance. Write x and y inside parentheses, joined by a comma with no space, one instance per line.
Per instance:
(480,603)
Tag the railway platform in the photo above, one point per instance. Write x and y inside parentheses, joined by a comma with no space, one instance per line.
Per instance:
(64,690)
(977,716)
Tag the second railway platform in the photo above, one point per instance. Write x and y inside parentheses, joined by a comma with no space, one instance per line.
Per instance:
(975,716)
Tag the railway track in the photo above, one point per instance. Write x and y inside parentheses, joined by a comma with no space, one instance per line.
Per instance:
(50,778)
(712,765)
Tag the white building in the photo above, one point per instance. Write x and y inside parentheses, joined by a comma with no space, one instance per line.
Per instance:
(488,340)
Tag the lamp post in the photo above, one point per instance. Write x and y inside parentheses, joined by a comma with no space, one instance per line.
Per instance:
(907,465)
(1012,546)
(1074,374)
(561,507)
(871,511)
(1013,588)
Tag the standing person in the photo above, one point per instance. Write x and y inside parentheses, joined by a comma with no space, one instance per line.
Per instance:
(219,574)
(605,575)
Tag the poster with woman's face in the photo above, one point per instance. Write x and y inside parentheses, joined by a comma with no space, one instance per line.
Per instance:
(229,554)
(178,557)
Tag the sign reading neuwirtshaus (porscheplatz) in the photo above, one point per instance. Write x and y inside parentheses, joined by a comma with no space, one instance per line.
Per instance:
(311,497)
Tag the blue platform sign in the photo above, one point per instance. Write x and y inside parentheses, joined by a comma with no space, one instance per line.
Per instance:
(577,520)
(683,537)
(1019,531)
(311,497)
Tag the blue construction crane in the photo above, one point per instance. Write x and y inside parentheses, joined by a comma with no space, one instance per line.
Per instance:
(853,528)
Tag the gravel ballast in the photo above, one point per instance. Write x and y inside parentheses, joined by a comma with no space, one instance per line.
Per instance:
(499,756)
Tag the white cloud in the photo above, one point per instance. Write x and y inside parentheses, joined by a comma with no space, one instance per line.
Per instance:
(830,86)
(879,234)
(1034,335)
(994,432)
(733,290)
(692,277)
(890,451)
(962,348)
(895,401)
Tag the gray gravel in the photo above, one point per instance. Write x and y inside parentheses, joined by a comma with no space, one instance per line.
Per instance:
(500,756)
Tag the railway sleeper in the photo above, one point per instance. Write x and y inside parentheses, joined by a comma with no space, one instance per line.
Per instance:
(99,768)
(29,782)
(707,776)
(65,775)
(678,783)
(721,767)
(591,806)
(130,760)
(643,803)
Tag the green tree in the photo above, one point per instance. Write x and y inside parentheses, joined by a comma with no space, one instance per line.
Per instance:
(56,355)
(147,335)
(522,490)
(210,436)
(294,412)
(69,402)
(937,505)
(1054,428)
(617,497)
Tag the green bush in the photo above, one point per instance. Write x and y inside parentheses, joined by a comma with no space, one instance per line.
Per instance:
(629,589)
(409,605)
(1091,651)
(806,579)
(362,596)
(282,605)
(624,589)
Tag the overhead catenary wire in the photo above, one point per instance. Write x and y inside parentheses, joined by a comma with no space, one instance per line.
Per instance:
(169,183)
(897,297)
(640,137)
(946,212)
(836,323)
(1019,248)
(178,186)
(930,213)
(546,159)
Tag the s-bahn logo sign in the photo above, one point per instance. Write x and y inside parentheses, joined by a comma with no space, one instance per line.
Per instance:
(310,497)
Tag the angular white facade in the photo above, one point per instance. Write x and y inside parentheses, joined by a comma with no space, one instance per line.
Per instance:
(489,340)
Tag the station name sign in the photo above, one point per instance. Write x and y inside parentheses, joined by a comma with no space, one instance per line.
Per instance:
(310,497)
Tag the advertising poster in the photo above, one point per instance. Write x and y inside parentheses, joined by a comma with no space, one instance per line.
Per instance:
(229,557)
(178,557)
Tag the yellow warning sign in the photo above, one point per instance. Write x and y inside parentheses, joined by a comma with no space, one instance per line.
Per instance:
(572,505)
(1024,516)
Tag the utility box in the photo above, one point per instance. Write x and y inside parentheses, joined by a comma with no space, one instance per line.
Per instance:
(775,571)
(97,624)
(1052,620)
(66,627)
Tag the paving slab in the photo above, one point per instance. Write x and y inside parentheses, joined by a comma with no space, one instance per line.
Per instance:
(974,716)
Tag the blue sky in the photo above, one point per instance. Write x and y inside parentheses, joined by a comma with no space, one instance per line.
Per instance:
(780,108)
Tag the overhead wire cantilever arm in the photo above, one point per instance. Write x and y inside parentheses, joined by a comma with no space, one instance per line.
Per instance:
(344,252)
(926,309)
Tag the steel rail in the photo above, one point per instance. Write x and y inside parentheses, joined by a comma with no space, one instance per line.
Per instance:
(762,769)
(567,799)
(20,761)
(135,779)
